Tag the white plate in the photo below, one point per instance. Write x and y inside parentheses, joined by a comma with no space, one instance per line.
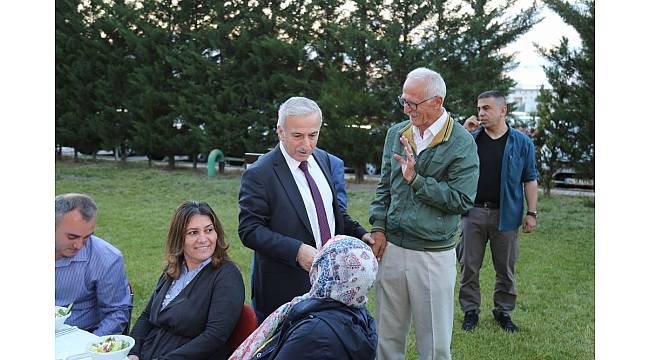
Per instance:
(65,329)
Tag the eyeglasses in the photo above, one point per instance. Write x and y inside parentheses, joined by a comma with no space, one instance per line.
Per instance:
(412,106)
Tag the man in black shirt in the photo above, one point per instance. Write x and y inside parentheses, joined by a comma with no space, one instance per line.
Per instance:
(507,172)
(490,154)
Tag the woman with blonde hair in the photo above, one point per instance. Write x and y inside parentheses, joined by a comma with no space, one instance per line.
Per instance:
(199,296)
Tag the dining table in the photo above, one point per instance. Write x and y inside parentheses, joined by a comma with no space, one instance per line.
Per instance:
(70,341)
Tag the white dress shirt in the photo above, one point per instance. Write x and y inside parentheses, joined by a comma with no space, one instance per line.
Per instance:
(421,142)
(323,186)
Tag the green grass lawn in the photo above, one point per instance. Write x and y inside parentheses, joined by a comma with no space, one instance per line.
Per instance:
(555,271)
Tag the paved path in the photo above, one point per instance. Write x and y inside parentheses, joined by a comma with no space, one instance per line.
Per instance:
(573,192)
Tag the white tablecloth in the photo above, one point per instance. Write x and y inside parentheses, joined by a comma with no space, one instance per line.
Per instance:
(72,343)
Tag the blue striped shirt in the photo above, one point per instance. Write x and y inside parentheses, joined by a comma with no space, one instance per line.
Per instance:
(95,281)
(183,280)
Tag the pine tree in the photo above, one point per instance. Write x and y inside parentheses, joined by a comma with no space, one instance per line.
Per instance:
(351,106)
(153,130)
(567,110)
(465,44)
(183,77)
(552,135)
(262,63)
(78,114)
(173,78)
(116,57)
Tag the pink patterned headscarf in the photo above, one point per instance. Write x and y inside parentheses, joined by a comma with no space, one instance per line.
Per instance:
(344,270)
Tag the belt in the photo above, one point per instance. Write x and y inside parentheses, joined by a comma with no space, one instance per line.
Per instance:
(487,204)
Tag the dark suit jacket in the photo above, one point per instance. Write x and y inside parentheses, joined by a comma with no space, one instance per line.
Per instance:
(197,323)
(273,221)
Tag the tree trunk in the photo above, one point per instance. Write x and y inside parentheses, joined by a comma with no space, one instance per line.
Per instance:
(123,153)
(547,183)
(59,152)
(194,161)
(76,155)
(150,161)
(171,161)
(359,169)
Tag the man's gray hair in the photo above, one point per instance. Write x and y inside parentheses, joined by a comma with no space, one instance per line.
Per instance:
(65,203)
(298,106)
(435,83)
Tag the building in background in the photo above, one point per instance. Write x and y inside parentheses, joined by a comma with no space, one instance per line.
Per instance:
(524,97)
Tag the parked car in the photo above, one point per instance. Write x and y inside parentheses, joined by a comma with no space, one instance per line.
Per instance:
(566,178)
(371,169)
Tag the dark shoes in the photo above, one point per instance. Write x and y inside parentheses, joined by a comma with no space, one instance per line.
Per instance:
(504,321)
(471,320)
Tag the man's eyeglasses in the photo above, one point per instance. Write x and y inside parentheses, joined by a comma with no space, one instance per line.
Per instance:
(412,106)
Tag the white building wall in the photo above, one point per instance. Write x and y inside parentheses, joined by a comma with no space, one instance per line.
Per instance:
(525,99)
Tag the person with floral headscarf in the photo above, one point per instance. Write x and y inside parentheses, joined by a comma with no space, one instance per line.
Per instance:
(331,320)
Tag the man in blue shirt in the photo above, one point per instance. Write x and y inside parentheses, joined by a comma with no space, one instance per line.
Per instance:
(89,272)
(507,175)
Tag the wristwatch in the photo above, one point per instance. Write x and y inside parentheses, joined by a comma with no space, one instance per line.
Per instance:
(532,213)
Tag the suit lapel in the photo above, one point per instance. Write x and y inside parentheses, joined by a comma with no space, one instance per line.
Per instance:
(182,296)
(291,189)
(161,291)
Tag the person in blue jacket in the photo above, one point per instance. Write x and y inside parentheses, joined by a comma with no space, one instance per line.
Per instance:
(338,178)
(507,176)
(331,320)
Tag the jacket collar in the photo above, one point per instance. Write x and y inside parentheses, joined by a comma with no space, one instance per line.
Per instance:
(442,136)
(289,184)
(182,296)
(481,129)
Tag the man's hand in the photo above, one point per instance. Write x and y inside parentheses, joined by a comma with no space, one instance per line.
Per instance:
(408,165)
(367,238)
(380,244)
(133,357)
(471,123)
(306,255)
(529,223)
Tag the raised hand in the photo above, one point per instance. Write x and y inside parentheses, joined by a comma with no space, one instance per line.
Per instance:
(408,164)
(471,123)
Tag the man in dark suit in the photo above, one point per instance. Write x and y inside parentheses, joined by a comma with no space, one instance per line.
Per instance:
(288,208)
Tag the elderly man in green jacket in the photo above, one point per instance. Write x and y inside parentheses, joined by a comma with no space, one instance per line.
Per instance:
(429,175)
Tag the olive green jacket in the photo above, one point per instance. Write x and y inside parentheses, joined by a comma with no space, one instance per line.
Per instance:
(424,214)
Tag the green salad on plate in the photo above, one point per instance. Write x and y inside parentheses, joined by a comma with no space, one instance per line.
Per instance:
(109,345)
